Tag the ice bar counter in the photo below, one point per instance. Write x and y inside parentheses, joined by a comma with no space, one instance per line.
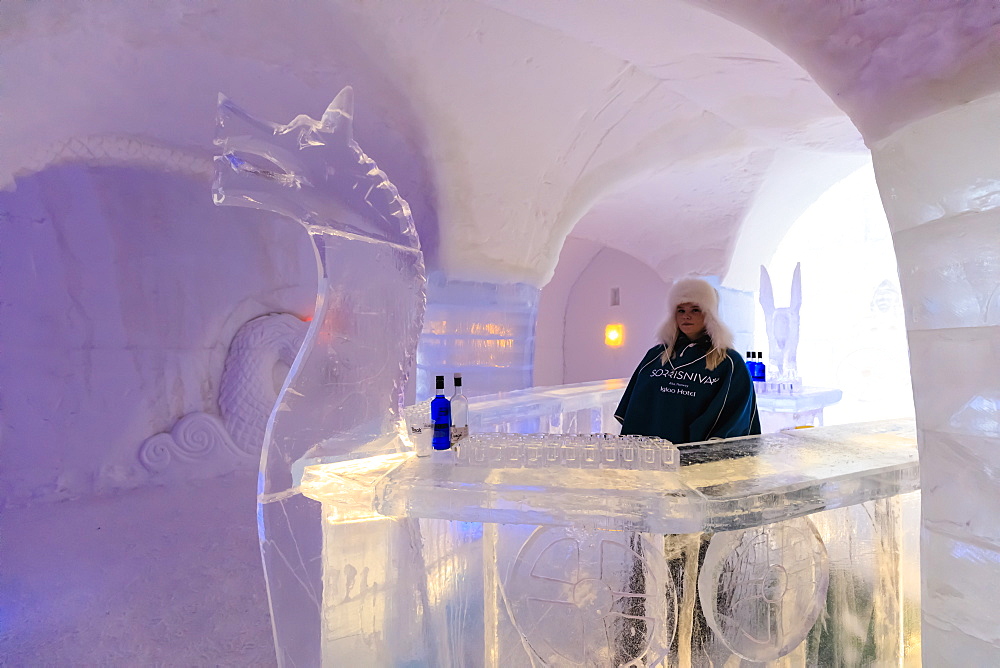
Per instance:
(789,549)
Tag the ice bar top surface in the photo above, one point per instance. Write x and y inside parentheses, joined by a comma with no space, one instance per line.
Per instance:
(720,485)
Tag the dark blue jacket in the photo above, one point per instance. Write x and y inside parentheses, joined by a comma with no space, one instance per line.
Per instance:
(683,402)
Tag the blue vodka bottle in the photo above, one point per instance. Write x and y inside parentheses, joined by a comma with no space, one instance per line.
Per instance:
(441,417)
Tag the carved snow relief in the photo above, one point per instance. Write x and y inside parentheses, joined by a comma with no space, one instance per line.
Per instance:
(115,149)
(259,358)
(195,437)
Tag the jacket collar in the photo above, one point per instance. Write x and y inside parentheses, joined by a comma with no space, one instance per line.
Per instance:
(703,342)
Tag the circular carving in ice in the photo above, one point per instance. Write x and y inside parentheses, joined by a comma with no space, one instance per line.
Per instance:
(588,597)
(762,589)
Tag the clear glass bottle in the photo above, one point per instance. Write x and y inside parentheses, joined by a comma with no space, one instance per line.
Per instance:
(441,417)
(459,412)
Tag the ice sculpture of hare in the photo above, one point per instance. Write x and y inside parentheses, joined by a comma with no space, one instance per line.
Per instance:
(782,326)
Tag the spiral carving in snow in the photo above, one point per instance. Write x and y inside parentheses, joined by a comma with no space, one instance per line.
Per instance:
(197,435)
(155,452)
(193,438)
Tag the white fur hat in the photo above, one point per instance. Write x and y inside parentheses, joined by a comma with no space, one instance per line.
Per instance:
(696,291)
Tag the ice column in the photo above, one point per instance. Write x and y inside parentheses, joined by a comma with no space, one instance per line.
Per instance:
(485,331)
(940,183)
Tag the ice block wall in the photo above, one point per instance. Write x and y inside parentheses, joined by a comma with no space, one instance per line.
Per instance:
(940,183)
(485,331)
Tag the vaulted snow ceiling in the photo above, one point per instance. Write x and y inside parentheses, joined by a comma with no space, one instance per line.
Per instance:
(653,127)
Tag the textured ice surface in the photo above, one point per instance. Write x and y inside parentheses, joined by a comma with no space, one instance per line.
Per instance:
(485,331)
(942,192)
(955,266)
(342,398)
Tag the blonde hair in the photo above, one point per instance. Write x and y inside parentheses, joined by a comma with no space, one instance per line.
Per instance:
(669,338)
(702,294)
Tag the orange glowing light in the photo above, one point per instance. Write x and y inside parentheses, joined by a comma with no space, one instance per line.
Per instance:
(614,335)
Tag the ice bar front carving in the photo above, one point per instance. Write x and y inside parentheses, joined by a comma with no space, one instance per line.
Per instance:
(563,550)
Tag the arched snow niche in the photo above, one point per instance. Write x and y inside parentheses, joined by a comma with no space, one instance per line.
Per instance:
(852,332)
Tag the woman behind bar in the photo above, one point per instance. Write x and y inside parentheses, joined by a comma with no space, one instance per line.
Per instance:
(692,386)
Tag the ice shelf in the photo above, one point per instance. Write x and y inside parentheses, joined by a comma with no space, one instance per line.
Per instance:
(802,407)
(802,400)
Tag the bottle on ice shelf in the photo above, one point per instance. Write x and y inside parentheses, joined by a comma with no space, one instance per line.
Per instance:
(441,417)
(459,412)
(761,369)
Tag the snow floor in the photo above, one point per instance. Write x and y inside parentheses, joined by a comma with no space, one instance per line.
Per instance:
(167,576)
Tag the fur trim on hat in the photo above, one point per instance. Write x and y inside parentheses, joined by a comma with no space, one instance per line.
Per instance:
(700,292)
(695,291)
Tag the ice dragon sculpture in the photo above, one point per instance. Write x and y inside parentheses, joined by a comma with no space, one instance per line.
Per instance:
(342,398)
